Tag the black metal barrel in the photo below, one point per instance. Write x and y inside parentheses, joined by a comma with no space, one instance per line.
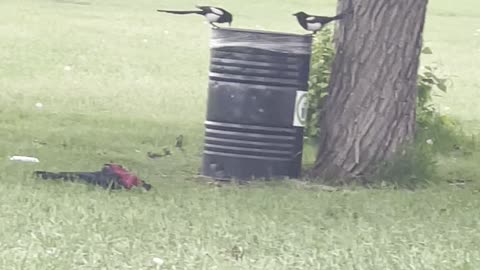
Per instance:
(256,104)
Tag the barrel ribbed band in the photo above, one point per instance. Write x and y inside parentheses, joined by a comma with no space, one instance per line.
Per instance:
(270,41)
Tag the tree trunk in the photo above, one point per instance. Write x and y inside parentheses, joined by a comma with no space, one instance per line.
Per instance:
(370,110)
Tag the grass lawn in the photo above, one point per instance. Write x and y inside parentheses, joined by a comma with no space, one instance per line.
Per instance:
(117,79)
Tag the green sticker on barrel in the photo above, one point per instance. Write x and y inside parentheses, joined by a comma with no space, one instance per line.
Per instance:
(300,113)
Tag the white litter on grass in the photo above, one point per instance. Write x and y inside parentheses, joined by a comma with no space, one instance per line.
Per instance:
(39,105)
(67,68)
(158,261)
(145,41)
(165,32)
(24,159)
(429,141)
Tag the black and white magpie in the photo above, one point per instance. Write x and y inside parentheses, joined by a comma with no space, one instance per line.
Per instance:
(212,14)
(316,23)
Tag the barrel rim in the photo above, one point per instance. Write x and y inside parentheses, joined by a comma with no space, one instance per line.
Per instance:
(244,30)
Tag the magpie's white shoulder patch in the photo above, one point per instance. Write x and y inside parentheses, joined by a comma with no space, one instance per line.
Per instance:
(310,19)
(216,11)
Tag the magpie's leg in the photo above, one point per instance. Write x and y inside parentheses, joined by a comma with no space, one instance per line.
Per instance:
(214,26)
(321,27)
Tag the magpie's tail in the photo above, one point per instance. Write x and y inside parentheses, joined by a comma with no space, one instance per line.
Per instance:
(95,178)
(180,12)
(343,14)
(65,175)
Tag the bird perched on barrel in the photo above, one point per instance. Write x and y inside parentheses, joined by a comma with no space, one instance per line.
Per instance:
(316,23)
(212,14)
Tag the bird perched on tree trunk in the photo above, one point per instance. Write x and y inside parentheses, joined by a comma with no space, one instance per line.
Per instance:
(212,14)
(316,23)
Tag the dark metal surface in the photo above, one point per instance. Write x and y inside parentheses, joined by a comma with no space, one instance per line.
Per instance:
(255,78)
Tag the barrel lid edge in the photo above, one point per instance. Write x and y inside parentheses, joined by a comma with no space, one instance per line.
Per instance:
(261,32)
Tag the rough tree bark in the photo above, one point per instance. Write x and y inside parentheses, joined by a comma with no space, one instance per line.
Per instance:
(370,110)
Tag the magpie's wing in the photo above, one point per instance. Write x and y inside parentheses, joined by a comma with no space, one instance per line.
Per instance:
(318,19)
(208,9)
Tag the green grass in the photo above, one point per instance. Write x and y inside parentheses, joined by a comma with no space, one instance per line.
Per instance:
(137,80)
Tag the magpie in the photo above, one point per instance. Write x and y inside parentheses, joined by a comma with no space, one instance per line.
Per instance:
(316,23)
(110,176)
(212,14)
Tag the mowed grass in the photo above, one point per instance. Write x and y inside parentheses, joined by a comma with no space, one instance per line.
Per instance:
(116,80)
